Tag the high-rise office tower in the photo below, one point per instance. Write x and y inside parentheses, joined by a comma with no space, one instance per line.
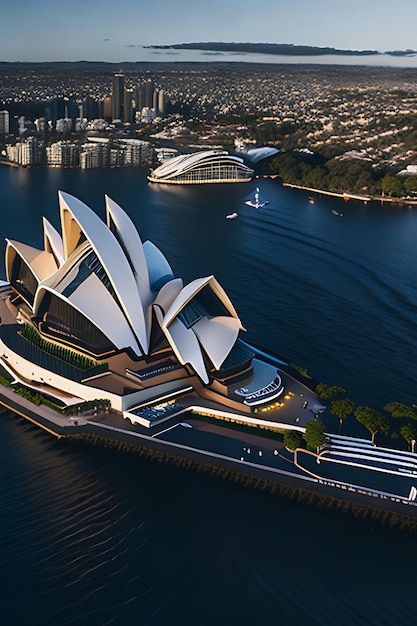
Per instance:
(161,102)
(107,108)
(140,97)
(149,89)
(129,98)
(155,100)
(4,122)
(117,97)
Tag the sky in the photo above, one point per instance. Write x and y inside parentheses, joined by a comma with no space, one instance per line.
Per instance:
(116,30)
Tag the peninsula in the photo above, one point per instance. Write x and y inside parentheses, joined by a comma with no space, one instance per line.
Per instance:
(99,339)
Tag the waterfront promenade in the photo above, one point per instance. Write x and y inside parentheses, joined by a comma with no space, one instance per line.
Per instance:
(353,196)
(213,443)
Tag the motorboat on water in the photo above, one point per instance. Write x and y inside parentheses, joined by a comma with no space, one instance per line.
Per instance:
(231,216)
(255,200)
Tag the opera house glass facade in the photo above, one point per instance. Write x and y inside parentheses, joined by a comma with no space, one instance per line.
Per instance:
(98,292)
(211,166)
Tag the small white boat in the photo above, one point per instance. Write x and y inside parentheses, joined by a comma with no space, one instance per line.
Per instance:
(231,216)
(255,200)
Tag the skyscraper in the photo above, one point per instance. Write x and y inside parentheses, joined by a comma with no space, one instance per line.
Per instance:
(4,122)
(117,97)
(129,97)
(161,102)
(107,108)
(149,89)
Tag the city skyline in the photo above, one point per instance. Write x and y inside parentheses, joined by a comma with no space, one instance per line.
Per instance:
(98,32)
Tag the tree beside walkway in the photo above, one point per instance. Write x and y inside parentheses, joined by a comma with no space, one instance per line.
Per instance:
(314,435)
(373,420)
(342,408)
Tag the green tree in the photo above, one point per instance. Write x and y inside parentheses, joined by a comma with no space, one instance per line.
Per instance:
(373,420)
(409,432)
(410,184)
(342,408)
(392,186)
(314,435)
(325,392)
(293,439)
(400,410)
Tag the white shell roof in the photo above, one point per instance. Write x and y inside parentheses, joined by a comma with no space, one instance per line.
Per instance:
(131,243)
(41,263)
(94,301)
(158,266)
(217,335)
(187,347)
(168,293)
(112,258)
(191,290)
(124,313)
(53,241)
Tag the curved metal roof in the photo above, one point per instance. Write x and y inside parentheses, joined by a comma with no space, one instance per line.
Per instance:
(186,162)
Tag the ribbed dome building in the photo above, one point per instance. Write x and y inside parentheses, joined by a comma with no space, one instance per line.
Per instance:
(211,166)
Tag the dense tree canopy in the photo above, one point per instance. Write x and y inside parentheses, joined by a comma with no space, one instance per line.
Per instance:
(409,432)
(293,439)
(339,175)
(373,420)
(325,392)
(342,408)
(401,410)
(314,434)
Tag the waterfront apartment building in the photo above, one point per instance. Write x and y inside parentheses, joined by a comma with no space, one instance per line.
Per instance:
(118,153)
(63,154)
(94,154)
(27,152)
(136,151)
(97,152)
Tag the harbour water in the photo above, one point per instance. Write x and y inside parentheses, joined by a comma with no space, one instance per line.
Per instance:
(88,536)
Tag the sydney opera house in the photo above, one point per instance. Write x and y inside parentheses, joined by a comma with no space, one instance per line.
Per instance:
(99,314)
(211,166)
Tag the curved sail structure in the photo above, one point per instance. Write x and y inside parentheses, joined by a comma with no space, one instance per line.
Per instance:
(99,289)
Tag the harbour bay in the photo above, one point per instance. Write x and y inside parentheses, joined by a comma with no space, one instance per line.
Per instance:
(336,294)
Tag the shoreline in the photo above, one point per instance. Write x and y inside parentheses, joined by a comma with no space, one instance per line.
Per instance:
(11,164)
(334,194)
(353,196)
(319,491)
